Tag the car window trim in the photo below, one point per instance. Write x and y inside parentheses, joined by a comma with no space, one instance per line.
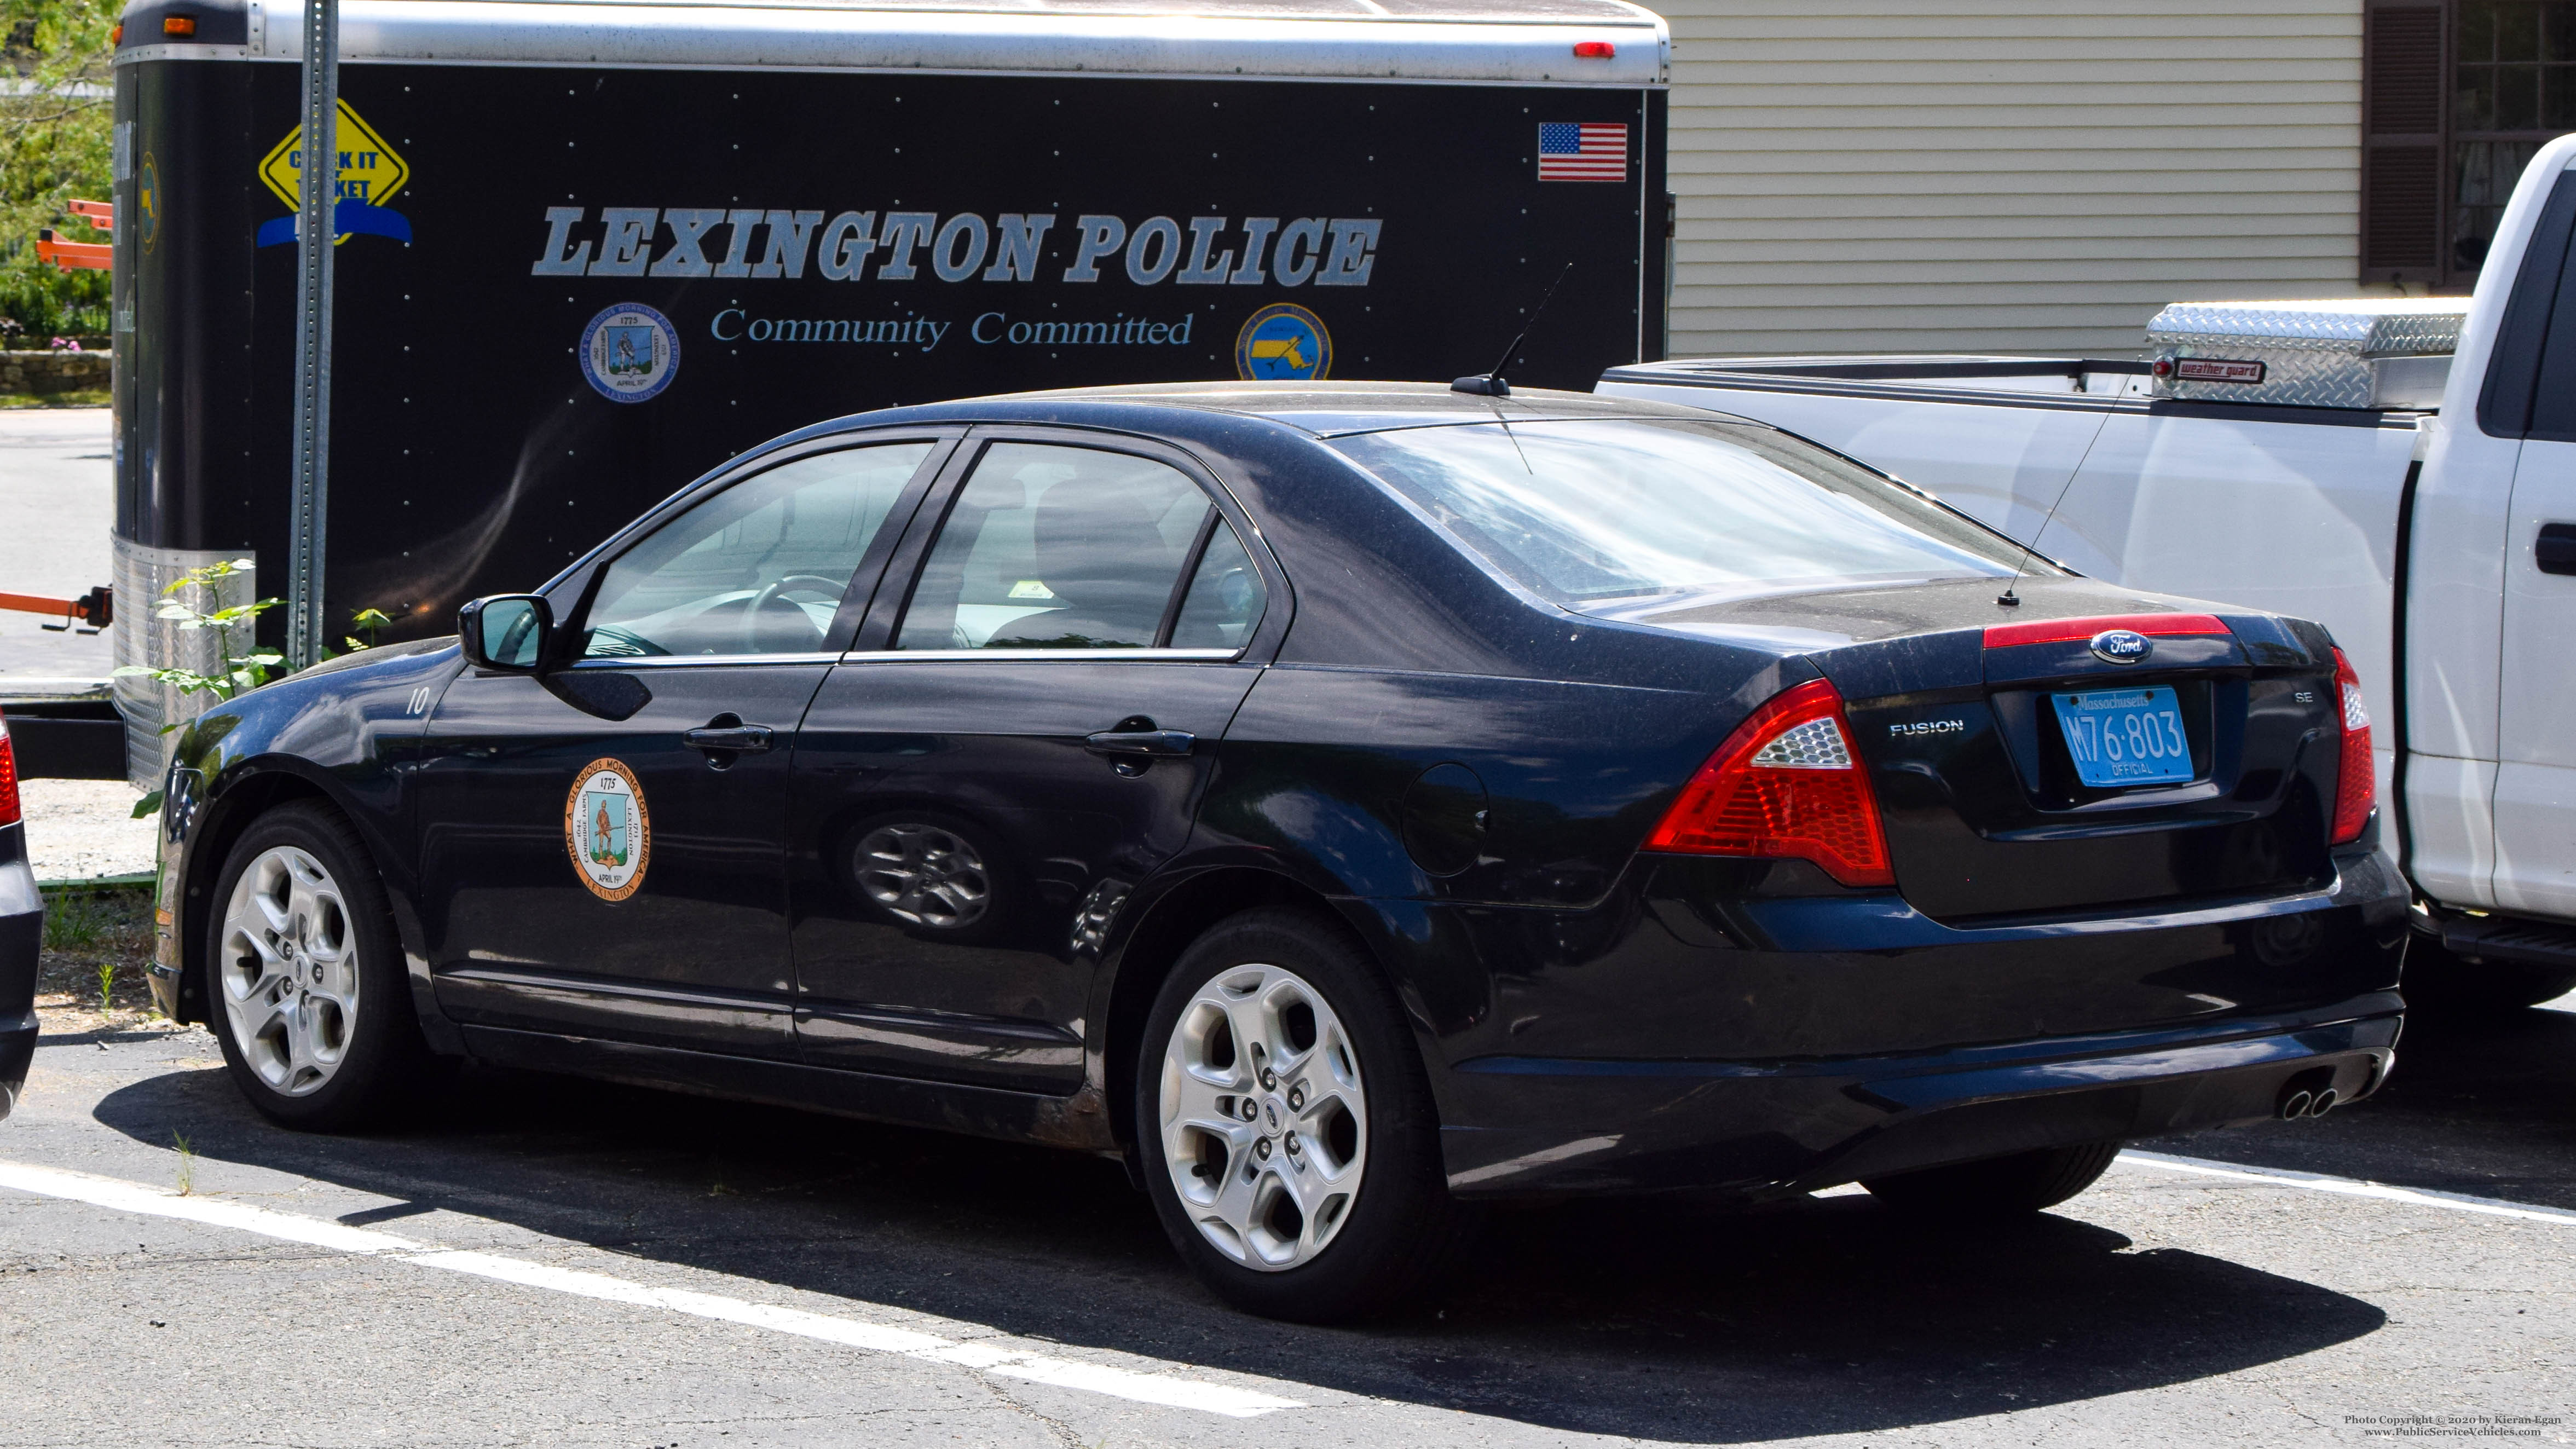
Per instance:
(884,623)
(670,661)
(1041,656)
(1189,575)
(852,610)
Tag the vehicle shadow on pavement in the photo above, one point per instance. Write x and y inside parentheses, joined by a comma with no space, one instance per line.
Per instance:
(2480,1103)
(1671,1321)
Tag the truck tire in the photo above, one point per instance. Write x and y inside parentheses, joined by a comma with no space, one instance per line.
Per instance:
(306,988)
(1285,1127)
(1997,1188)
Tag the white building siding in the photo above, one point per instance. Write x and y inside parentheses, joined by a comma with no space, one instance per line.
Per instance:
(2003,175)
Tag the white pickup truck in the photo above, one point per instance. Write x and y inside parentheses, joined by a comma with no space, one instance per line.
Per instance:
(2401,470)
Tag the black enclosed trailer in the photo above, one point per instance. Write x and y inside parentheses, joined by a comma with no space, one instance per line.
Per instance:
(588,251)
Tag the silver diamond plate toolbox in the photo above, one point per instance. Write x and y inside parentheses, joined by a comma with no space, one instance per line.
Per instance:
(2368,352)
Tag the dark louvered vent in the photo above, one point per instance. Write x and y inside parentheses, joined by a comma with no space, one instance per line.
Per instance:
(2401,182)
(2406,72)
(2405,214)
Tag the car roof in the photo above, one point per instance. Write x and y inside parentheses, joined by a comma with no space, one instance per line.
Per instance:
(1331,409)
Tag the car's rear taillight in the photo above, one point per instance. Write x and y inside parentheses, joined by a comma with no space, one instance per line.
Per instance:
(8,778)
(2356,777)
(1785,783)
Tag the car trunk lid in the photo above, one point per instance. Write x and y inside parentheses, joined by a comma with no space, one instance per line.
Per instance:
(1980,726)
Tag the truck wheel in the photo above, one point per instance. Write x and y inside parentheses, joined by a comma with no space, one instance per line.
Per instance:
(2438,980)
(306,986)
(1998,1187)
(1286,1128)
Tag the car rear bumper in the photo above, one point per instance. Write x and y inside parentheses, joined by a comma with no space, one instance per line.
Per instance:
(1699,1029)
(1609,1126)
(22,935)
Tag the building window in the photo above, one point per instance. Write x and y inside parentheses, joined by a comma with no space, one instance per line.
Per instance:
(2457,96)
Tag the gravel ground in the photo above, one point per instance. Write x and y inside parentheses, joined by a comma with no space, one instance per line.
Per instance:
(80,830)
(90,974)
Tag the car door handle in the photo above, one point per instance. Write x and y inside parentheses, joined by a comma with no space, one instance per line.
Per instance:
(740,739)
(1140,742)
(2556,550)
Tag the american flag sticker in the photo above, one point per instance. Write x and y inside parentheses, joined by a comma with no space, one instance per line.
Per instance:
(1582,151)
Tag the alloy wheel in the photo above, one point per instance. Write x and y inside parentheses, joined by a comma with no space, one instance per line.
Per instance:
(1264,1117)
(287,971)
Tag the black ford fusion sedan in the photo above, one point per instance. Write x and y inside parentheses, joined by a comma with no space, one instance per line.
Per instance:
(1342,803)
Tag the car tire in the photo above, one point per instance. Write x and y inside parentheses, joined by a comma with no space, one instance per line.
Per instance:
(306,988)
(1996,1188)
(1356,1159)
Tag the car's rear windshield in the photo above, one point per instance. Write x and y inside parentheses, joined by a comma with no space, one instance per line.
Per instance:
(1591,513)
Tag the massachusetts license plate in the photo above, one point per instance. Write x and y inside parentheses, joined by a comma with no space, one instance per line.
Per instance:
(2125,736)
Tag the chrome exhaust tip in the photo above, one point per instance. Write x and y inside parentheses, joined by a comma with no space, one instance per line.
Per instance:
(2295,1106)
(2322,1103)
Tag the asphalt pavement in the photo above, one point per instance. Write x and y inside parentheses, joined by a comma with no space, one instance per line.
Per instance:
(58,497)
(543,1261)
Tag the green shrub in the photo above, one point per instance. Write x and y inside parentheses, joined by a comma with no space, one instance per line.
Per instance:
(55,134)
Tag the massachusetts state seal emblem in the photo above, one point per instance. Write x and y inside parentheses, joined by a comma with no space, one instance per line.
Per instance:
(1283,340)
(607,830)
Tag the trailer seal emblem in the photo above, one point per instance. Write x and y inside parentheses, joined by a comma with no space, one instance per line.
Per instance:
(147,204)
(1283,341)
(629,352)
(607,830)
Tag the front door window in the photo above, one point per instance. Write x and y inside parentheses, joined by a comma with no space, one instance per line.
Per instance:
(758,569)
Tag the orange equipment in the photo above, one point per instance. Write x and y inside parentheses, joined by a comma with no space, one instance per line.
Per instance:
(80,256)
(95,609)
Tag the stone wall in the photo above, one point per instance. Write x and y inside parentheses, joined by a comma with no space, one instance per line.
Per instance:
(41,372)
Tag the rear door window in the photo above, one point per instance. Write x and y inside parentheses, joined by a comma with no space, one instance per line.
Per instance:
(1056,547)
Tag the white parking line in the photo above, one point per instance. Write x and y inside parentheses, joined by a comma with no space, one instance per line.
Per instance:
(1000,1354)
(2347,1187)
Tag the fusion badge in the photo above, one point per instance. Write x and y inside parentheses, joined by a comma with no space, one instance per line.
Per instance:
(1283,340)
(607,830)
(629,352)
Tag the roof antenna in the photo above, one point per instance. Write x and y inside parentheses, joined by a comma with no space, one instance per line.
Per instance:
(2010,598)
(1491,384)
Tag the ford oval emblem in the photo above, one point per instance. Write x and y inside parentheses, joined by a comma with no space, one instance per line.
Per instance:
(2122,646)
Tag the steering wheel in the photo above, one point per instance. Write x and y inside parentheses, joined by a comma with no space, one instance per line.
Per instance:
(820,589)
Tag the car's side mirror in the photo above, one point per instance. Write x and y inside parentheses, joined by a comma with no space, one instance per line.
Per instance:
(506,632)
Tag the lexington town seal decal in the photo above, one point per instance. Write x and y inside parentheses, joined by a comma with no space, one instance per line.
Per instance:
(629,352)
(607,831)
